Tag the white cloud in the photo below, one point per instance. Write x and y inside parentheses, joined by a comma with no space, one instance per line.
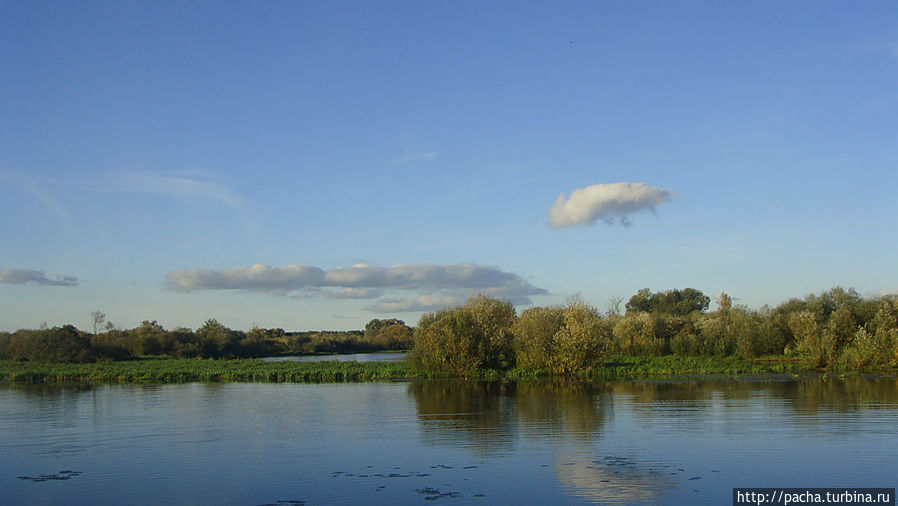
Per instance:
(608,202)
(884,293)
(257,278)
(352,293)
(420,303)
(23,276)
(186,185)
(435,284)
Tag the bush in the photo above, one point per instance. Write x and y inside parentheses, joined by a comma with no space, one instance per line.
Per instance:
(59,344)
(534,336)
(464,339)
(582,340)
(876,344)
(636,334)
(449,341)
(808,338)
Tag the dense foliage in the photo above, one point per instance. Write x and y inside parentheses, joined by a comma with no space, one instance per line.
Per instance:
(465,339)
(837,330)
(211,340)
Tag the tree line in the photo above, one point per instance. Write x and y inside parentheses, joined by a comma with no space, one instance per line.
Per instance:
(211,340)
(834,329)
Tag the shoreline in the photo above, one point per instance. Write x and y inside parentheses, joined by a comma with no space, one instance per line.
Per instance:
(615,368)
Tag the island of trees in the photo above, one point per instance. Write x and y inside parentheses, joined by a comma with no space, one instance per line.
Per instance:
(836,330)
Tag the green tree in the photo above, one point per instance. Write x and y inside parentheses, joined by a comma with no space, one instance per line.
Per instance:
(534,336)
(494,319)
(675,302)
(463,339)
(217,341)
(449,341)
(389,334)
(582,340)
(150,338)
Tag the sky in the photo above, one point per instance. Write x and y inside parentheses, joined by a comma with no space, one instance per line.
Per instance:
(314,165)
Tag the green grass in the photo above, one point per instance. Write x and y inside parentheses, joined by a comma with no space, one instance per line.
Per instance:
(204,370)
(248,370)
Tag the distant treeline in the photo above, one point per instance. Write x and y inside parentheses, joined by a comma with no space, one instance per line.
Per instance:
(212,340)
(836,329)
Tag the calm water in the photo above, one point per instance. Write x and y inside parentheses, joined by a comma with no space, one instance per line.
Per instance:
(460,443)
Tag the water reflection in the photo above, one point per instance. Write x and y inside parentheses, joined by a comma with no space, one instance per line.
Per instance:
(614,479)
(471,414)
(638,442)
(576,411)
(545,442)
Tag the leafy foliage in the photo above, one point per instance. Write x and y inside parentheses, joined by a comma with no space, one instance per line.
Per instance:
(465,339)
(675,302)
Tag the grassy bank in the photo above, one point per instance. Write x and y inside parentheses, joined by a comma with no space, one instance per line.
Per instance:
(204,370)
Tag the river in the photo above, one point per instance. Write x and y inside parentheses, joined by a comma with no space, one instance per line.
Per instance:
(674,442)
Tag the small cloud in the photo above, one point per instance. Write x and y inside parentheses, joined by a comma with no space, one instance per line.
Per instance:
(608,202)
(186,185)
(24,276)
(424,156)
(884,293)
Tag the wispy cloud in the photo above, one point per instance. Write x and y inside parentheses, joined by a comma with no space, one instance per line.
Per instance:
(609,202)
(186,185)
(434,284)
(39,191)
(25,276)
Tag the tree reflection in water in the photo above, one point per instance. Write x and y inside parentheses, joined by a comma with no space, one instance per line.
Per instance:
(576,422)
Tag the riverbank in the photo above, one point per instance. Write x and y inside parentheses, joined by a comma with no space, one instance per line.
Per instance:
(155,370)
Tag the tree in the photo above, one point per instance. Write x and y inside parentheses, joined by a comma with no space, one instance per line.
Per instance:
(534,336)
(216,340)
(98,318)
(494,319)
(724,301)
(675,302)
(449,341)
(463,339)
(150,338)
(641,302)
(561,339)
(390,334)
(582,340)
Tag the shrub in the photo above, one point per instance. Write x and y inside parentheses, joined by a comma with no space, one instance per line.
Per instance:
(808,338)
(637,334)
(582,340)
(464,339)
(449,341)
(534,336)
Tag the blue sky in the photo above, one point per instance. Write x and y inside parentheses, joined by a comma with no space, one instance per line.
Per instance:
(313,165)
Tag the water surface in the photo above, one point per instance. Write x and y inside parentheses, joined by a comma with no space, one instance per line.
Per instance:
(452,441)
